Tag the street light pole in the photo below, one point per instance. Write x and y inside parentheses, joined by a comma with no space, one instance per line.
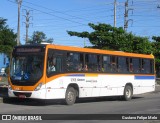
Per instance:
(19,2)
(115,3)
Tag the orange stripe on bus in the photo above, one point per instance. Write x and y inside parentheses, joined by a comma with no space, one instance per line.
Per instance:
(91,75)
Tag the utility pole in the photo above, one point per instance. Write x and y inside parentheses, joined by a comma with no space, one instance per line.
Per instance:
(19,2)
(115,4)
(27,23)
(125,15)
(126,20)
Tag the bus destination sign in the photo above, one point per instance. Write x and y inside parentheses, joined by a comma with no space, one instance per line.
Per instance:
(28,50)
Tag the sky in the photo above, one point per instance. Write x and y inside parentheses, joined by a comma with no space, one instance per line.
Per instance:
(55,17)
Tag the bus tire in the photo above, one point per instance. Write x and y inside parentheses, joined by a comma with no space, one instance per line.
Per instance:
(128,92)
(70,96)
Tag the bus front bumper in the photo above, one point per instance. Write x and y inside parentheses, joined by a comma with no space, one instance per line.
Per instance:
(40,94)
(27,94)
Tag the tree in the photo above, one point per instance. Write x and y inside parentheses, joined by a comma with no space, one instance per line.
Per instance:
(156,53)
(7,37)
(142,45)
(105,36)
(101,37)
(2,23)
(39,37)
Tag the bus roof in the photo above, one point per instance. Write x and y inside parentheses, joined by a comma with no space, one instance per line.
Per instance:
(98,51)
(89,50)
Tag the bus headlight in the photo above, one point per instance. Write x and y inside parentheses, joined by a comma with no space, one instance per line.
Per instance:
(38,87)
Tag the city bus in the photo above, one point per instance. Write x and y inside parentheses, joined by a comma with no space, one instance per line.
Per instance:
(48,71)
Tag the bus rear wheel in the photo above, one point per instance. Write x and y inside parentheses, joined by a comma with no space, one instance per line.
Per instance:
(128,92)
(70,96)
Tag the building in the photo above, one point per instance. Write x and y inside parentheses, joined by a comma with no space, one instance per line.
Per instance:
(3,63)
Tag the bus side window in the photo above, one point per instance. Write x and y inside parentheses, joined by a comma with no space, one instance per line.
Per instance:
(80,63)
(122,65)
(70,62)
(59,64)
(54,62)
(127,64)
(93,63)
(143,66)
(146,66)
(106,66)
(136,65)
(86,67)
(74,61)
(130,65)
(114,64)
(51,64)
(99,64)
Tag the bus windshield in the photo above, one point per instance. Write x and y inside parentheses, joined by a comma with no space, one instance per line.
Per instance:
(26,69)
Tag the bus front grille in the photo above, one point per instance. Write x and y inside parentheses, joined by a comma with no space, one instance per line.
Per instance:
(18,94)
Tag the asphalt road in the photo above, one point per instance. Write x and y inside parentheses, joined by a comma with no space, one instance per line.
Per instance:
(140,104)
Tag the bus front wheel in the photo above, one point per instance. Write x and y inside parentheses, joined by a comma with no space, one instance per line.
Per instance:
(128,92)
(70,96)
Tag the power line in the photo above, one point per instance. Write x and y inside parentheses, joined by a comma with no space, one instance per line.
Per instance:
(56,11)
(64,13)
(55,15)
(51,14)
(88,8)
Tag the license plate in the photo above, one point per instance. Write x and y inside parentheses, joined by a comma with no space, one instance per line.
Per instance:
(22,96)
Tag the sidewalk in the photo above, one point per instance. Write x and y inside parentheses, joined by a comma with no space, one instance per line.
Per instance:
(3,92)
(3,88)
(157,88)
